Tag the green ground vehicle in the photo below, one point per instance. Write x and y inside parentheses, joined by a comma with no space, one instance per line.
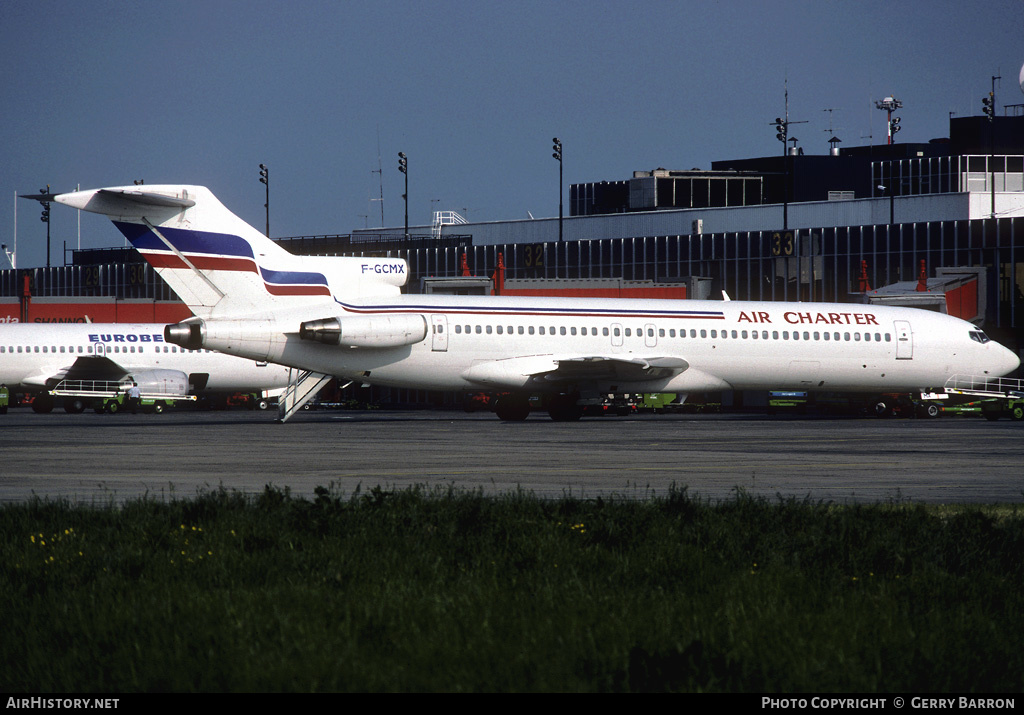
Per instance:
(105,396)
(994,409)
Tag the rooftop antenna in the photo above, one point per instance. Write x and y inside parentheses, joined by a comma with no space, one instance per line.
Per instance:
(833,150)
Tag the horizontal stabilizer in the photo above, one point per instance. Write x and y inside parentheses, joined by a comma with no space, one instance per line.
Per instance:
(124,202)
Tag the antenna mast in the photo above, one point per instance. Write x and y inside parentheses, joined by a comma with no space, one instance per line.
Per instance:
(380,175)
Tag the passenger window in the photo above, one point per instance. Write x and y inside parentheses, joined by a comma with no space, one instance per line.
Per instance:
(856,337)
(604,331)
(572,331)
(743,333)
(521,330)
(703,333)
(628,334)
(478,330)
(488,329)
(500,330)
(775,334)
(531,330)
(562,330)
(714,333)
(846,337)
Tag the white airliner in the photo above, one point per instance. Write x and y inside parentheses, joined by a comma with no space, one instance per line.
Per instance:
(347,317)
(37,357)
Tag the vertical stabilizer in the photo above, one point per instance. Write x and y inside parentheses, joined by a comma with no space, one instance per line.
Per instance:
(219,265)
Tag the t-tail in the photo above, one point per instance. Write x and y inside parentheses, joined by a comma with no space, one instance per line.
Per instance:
(220,266)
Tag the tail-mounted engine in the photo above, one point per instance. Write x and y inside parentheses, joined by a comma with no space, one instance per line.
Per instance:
(375,331)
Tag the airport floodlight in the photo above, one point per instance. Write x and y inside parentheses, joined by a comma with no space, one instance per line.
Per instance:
(889,105)
(557,154)
(403,166)
(780,130)
(45,218)
(265,180)
(989,106)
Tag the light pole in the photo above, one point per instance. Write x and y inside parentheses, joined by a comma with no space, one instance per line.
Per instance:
(782,134)
(45,218)
(403,166)
(265,180)
(558,155)
(989,109)
(890,104)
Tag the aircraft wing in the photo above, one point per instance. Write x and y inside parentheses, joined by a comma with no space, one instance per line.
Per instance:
(518,372)
(93,367)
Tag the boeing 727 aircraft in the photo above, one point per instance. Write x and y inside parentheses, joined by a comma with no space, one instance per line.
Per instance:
(347,317)
(38,357)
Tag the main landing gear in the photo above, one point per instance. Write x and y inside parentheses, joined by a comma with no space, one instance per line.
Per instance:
(516,407)
(512,408)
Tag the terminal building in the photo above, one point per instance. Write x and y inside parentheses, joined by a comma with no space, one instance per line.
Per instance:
(939,225)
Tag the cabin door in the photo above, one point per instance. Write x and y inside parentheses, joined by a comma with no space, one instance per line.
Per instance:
(439,328)
(904,340)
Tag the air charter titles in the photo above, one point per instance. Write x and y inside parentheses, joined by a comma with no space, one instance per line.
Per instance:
(798,318)
(916,703)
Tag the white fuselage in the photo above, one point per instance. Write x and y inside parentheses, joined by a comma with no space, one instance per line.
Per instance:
(514,343)
(30,354)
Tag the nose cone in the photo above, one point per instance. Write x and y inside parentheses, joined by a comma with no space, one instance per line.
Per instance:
(1005,361)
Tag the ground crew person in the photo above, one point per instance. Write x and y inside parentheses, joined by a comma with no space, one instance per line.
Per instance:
(134,393)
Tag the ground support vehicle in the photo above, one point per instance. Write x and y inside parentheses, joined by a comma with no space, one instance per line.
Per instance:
(105,396)
(1004,395)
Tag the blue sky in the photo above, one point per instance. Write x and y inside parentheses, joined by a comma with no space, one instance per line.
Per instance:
(98,93)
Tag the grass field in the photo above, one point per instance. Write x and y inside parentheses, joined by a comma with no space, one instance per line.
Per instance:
(444,590)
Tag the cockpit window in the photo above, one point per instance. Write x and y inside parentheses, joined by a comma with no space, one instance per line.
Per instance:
(979,336)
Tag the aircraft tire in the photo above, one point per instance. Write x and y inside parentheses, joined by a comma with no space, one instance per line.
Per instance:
(512,409)
(43,404)
(74,405)
(563,408)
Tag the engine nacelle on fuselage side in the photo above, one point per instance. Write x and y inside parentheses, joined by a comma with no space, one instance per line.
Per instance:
(372,331)
(161,382)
